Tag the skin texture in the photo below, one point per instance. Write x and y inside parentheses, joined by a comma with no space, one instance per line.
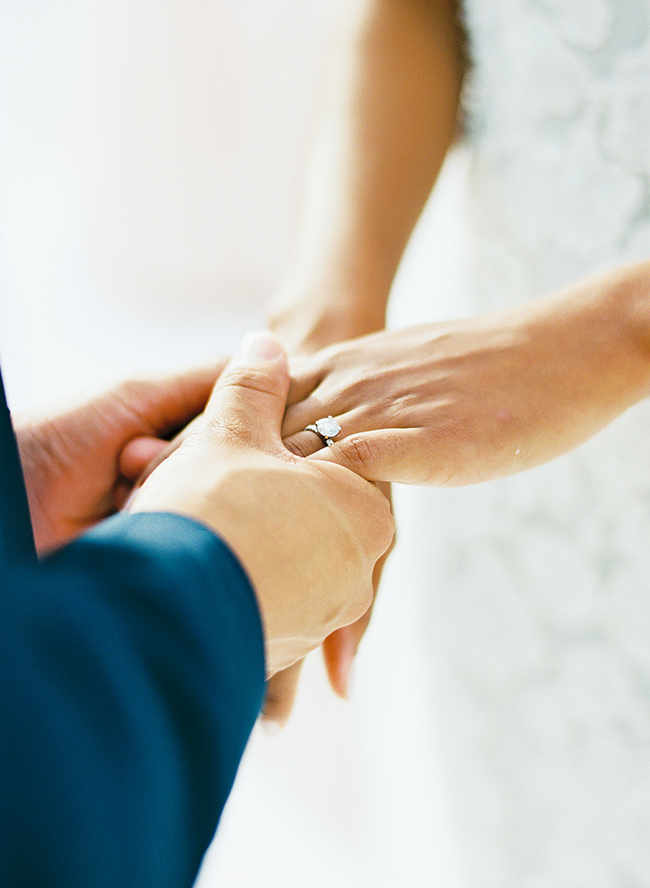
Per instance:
(231,473)
(469,401)
(388,116)
(473,400)
(80,460)
(443,404)
(311,567)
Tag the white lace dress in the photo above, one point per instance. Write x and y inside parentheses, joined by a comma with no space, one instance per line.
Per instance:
(536,589)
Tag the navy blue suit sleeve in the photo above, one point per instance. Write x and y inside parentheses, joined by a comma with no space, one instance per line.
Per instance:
(16,538)
(131,674)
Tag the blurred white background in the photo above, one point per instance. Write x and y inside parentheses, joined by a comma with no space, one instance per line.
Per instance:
(150,155)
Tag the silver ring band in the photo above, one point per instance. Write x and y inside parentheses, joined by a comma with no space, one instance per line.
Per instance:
(326,429)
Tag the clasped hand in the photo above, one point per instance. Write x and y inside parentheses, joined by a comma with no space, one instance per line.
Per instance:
(308,534)
(472,400)
(451,403)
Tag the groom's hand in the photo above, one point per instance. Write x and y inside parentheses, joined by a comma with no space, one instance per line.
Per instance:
(80,462)
(309,534)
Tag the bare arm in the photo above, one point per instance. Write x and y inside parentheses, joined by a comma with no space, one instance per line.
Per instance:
(388,119)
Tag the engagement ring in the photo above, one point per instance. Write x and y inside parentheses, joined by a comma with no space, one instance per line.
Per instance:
(326,429)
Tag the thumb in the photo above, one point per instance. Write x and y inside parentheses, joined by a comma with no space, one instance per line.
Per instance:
(251,395)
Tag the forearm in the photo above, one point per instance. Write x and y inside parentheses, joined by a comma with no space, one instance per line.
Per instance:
(593,339)
(388,119)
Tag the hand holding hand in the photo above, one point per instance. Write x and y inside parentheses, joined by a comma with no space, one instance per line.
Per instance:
(306,319)
(80,463)
(309,534)
(464,402)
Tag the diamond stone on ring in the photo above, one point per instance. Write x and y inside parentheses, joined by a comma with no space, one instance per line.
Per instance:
(326,429)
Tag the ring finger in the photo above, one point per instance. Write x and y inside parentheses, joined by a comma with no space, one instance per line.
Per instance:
(316,435)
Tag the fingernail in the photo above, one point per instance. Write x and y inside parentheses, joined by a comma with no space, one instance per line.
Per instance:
(259,346)
(345,667)
(270,726)
(347,678)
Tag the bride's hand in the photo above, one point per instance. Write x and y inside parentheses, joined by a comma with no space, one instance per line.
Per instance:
(306,319)
(463,402)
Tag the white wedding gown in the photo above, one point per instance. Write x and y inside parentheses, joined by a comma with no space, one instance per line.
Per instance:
(500,721)
(535,590)
(499,731)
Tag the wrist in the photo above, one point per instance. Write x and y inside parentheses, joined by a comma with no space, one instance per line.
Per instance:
(603,328)
(619,321)
(308,318)
(635,299)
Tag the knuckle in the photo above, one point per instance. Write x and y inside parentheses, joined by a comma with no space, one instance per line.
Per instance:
(129,391)
(230,427)
(357,450)
(383,522)
(301,445)
(129,400)
(383,529)
(364,601)
(357,389)
(252,378)
(356,603)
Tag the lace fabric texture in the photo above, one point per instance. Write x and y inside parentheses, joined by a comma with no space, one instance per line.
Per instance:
(537,587)
(559,113)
